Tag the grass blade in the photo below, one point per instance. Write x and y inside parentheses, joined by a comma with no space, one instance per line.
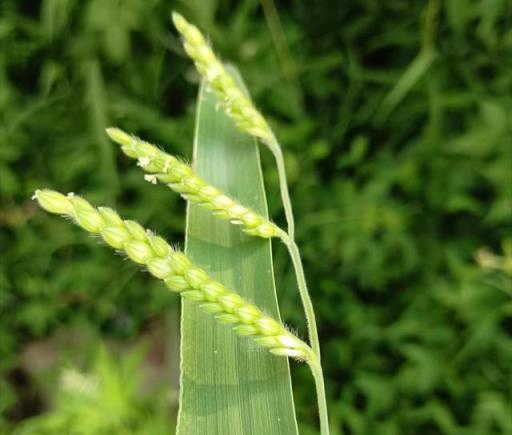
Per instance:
(228,384)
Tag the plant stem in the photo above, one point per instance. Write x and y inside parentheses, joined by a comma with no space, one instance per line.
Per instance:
(304,293)
(274,147)
(316,369)
(288,239)
(293,249)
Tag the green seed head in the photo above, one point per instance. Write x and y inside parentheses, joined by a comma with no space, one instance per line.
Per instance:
(234,101)
(177,272)
(182,179)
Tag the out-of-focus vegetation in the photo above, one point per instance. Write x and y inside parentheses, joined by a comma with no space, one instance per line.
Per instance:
(105,401)
(396,118)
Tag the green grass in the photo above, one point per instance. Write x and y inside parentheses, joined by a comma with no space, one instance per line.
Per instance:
(394,191)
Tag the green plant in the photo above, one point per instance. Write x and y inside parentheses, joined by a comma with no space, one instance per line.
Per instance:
(104,398)
(174,268)
(248,119)
(391,203)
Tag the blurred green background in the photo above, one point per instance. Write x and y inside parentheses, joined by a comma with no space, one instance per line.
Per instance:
(396,120)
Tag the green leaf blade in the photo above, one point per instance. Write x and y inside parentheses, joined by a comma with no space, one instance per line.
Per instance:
(228,383)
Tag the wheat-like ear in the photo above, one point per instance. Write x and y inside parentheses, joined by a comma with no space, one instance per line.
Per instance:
(235,102)
(177,272)
(181,178)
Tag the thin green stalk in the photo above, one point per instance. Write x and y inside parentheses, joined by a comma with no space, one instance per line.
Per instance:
(309,311)
(318,376)
(274,147)
(289,241)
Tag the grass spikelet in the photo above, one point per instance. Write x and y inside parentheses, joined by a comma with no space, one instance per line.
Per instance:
(178,272)
(181,178)
(235,102)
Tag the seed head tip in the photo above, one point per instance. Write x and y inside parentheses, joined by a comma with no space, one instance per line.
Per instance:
(178,20)
(119,136)
(53,202)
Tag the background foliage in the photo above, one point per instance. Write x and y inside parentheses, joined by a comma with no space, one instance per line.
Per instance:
(396,118)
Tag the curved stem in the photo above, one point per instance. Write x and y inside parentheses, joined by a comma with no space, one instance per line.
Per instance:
(289,240)
(274,147)
(316,370)
(304,293)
